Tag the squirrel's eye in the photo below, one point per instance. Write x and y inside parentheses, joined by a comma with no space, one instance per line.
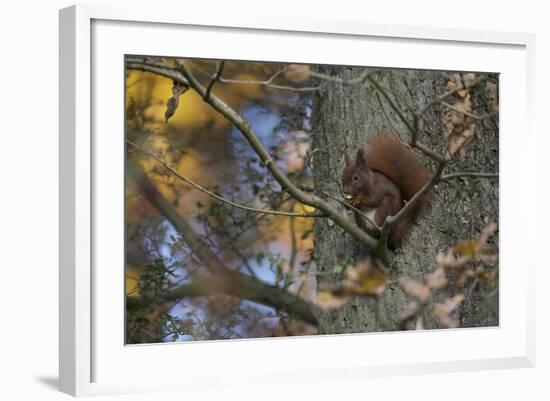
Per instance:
(355,177)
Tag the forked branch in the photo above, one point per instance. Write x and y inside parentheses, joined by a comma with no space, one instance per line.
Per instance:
(223,279)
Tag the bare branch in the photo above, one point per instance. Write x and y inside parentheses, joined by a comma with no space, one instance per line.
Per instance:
(215,196)
(408,145)
(392,220)
(395,107)
(284,181)
(414,130)
(468,174)
(150,62)
(268,82)
(353,81)
(218,75)
(280,177)
(293,88)
(223,279)
(389,120)
(444,96)
(430,153)
(293,244)
(468,114)
(155,69)
(198,288)
(252,81)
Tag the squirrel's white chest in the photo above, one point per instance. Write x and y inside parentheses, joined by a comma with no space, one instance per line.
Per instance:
(369,213)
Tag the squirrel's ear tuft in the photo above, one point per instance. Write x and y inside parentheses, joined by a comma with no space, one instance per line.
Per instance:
(347,159)
(361,160)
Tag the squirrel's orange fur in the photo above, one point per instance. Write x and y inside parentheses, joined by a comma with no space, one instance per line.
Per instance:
(381,180)
(387,155)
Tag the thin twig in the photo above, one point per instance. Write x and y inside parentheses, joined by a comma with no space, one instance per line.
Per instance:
(293,243)
(389,120)
(412,203)
(135,62)
(391,125)
(466,113)
(442,97)
(267,82)
(385,93)
(353,81)
(413,129)
(468,174)
(150,62)
(163,71)
(222,279)
(218,75)
(416,198)
(293,88)
(217,197)
(286,184)
(430,153)
(348,205)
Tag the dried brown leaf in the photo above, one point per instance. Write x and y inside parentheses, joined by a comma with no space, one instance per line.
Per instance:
(486,277)
(469,79)
(411,309)
(459,135)
(486,233)
(178,89)
(463,253)
(442,310)
(464,275)
(459,128)
(478,249)
(373,283)
(365,279)
(294,158)
(436,279)
(352,273)
(465,81)
(446,260)
(416,289)
(454,82)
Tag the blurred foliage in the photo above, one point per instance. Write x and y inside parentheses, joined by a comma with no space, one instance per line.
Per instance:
(200,144)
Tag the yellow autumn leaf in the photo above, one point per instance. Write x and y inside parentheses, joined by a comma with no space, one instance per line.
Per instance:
(373,284)
(297,72)
(366,278)
(306,208)
(467,248)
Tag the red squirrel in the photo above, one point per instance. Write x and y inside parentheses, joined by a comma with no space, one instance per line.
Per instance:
(381,180)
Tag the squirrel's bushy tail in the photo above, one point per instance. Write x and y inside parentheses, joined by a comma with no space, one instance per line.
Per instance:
(388,156)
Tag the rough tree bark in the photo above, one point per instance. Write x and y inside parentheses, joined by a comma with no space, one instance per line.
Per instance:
(343,117)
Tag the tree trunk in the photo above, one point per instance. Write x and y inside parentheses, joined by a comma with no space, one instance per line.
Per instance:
(343,117)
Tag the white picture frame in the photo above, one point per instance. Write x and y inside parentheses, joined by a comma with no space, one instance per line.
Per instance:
(90,357)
